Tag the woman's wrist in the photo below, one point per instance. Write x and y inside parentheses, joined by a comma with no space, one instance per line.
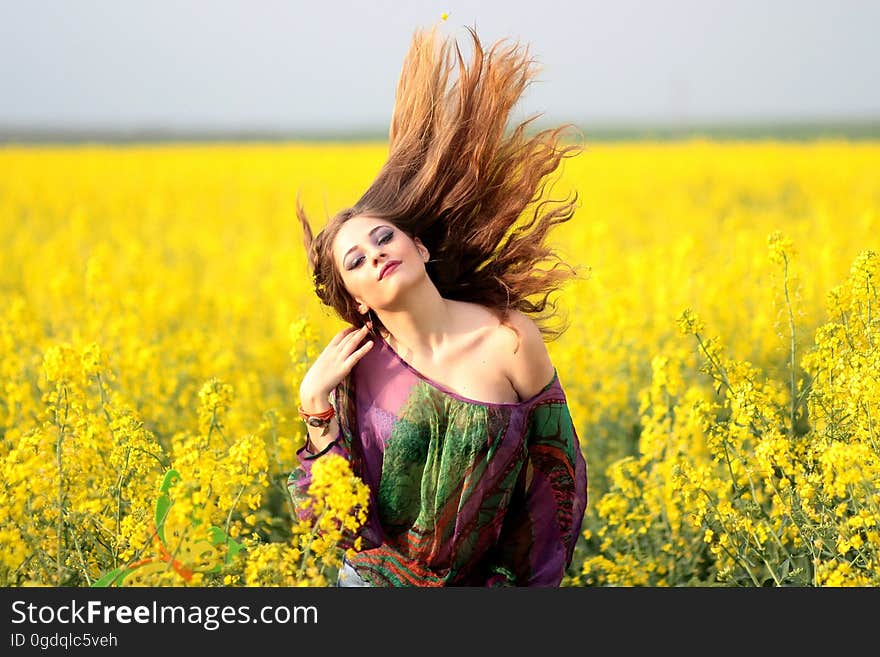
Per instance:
(320,435)
(314,403)
(318,441)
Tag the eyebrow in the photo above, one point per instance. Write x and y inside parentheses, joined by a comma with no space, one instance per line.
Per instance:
(344,255)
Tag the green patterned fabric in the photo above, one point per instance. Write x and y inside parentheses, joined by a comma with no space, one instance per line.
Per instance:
(463,492)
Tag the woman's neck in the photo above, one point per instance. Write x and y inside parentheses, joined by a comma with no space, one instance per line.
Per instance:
(421,327)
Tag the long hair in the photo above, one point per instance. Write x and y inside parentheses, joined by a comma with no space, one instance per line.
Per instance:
(458,183)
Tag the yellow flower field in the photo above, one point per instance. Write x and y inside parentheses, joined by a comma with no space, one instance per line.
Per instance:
(720,361)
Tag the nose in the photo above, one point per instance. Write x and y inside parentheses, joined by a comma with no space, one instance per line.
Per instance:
(376,253)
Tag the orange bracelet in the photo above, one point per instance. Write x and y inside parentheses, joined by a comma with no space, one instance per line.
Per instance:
(321,419)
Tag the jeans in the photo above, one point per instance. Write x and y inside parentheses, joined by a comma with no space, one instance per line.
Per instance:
(348,576)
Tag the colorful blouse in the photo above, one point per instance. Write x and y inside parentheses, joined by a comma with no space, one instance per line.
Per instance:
(463,492)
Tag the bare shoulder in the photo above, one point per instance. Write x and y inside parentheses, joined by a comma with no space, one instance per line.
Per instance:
(515,349)
(523,354)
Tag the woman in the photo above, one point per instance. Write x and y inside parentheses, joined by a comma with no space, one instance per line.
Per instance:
(441,393)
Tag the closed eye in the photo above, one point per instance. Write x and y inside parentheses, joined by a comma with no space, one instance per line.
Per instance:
(384,238)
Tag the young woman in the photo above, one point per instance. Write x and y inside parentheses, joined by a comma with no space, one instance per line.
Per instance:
(441,392)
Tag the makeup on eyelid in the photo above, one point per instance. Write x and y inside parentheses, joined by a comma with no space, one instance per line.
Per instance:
(383,238)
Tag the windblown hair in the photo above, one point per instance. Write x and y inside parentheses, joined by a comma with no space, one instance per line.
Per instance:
(458,183)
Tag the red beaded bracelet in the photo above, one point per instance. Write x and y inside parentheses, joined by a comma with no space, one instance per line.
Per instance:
(321,419)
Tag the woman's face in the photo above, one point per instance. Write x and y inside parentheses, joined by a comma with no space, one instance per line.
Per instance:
(377,261)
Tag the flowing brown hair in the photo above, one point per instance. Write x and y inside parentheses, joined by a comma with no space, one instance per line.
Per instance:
(458,183)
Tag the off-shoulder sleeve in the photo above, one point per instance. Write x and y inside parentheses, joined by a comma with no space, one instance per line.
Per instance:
(546,510)
(300,477)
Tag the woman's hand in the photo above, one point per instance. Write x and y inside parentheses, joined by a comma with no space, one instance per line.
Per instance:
(329,368)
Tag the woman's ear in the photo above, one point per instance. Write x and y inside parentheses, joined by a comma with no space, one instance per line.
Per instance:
(360,306)
(422,249)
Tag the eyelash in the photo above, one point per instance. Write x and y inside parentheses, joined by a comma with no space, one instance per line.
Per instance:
(386,237)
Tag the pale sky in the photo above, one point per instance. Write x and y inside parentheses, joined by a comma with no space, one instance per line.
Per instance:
(301,65)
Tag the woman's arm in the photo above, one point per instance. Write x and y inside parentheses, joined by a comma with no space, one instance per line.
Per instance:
(318,439)
(318,443)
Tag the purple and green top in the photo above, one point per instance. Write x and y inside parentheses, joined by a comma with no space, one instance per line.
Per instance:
(462,492)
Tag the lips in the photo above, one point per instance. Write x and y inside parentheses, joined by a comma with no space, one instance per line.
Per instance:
(388,267)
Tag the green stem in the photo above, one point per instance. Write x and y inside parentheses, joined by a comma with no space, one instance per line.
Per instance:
(119,509)
(733,555)
(59,456)
(232,508)
(308,551)
(791,329)
(82,560)
(284,490)
(713,362)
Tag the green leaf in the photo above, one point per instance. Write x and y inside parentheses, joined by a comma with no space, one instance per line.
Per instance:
(163,502)
(171,478)
(233,547)
(785,568)
(113,578)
